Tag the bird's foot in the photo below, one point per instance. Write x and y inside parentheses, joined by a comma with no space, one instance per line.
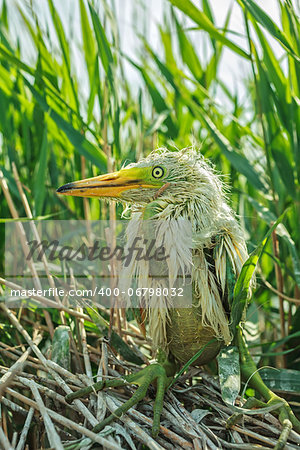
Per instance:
(279,405)
(152,373)
(274,403)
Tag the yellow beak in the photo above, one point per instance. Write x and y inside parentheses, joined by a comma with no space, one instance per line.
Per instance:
(108,185)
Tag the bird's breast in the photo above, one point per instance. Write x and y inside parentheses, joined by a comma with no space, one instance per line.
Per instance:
(186,336)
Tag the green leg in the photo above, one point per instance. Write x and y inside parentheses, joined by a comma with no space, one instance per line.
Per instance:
(158,373)
(249,372)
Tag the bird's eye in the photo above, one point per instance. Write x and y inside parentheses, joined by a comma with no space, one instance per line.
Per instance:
(158,172)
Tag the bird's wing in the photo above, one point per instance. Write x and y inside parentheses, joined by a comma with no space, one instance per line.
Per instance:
(215,271)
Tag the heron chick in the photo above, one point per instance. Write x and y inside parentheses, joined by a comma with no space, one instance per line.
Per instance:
(167,186)
(173,189)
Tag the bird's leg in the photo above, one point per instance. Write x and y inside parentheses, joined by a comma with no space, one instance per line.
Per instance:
(159,373)
(249,373)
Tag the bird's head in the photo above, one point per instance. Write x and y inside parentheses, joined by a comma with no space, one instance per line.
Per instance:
(171,175)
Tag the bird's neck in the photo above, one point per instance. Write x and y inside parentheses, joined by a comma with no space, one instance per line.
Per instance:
(208,217)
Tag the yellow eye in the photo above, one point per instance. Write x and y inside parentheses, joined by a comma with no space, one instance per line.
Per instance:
(158,172)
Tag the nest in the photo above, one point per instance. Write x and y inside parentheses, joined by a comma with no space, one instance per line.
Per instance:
(35,413)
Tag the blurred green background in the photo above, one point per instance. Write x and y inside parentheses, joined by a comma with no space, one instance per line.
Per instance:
(81,93)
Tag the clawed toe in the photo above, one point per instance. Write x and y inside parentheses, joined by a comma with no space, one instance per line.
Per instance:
(143,378)
(285,414)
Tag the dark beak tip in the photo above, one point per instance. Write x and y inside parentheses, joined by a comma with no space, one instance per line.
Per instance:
(64,188)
